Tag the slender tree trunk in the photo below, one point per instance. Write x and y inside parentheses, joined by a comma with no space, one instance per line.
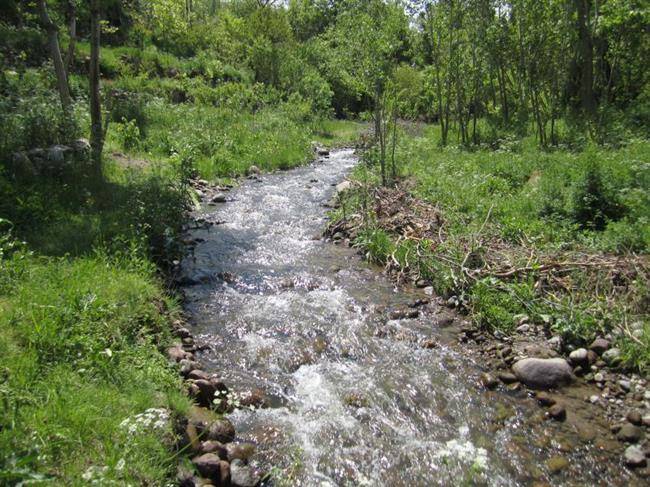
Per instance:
(72,32)
(96,132)
(57,59)
(380,131)
(394,143)
(586,57)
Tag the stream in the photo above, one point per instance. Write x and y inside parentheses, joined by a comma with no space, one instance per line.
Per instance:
(354,397)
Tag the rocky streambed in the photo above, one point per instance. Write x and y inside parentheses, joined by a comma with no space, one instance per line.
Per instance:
(336,376)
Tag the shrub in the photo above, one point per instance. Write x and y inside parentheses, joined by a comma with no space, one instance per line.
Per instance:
(593,203)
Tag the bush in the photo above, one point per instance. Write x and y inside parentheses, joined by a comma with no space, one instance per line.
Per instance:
(593,203)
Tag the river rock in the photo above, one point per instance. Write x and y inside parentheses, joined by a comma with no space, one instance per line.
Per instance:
(256,398)
(211,466)
(634,457)
(599,345)
(507,377)
(612,355)
(343,187)
(215,447)
(218,198)
(204,391)
(488,381)
(543,373)
(629,433)
(544,399)
(240,451)
(557,412)
(579,356)
(241,475)
(557,464)
(321,151)
(634,417)
(253,171)
(177,354)
(221,430)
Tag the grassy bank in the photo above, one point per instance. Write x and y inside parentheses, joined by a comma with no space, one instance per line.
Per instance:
(84,319)
(560,237)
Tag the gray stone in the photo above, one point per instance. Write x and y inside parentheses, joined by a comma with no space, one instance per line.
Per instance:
(629,433)
(221,430)
(219,198)
(210,465)
(241,475)
(579,356)
(253,171)
(612,355)
(599,345)
(634,457)
(543,373)
(343,187)
(240,451)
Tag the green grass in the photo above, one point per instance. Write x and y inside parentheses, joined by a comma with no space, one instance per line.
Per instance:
(337,133)
(520,205)
(79,354)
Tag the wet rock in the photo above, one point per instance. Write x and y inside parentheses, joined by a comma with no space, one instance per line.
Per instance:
(557,464)
(507,377)
(400,314)
(253,171)
(634,417)
(188,366)
(579,356)
(241,475)
(256,398)
(182,333)
(177,354)
(599,346)
(240,451)
(214,447)
(211,466)
(543,373)
(634,457)
(629,433)
(544,399)
(221,430)
(488,381)
(219,198)
(429,344)
(203,392)
(557,412)
(198,374)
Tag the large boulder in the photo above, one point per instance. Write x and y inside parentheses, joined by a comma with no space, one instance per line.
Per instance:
(543,373)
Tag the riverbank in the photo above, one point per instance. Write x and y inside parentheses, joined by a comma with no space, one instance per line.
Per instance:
(466,227)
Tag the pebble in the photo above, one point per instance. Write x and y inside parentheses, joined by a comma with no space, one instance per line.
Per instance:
(625,385)
(488,381)
(629,433)
(557,412)
(579,356)
(557,464)
(634,457)
(599,345)
(507,377)
(634,417)
(544,399)
(599,377)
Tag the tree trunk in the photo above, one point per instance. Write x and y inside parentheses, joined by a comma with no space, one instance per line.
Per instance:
(57,59)
(585,57)
(96,132)
(72,31)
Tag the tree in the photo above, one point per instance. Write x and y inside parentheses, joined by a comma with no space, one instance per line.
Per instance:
(96,130)
(55,51)
(369,37)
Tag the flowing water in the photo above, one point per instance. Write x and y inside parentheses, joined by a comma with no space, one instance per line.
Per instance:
(355,398)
